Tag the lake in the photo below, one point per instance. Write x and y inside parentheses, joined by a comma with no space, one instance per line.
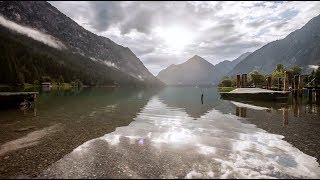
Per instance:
(165,133)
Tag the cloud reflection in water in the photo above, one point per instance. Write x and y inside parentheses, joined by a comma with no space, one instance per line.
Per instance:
(165,142)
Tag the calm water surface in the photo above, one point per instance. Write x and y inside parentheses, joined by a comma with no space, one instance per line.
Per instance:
(167,133)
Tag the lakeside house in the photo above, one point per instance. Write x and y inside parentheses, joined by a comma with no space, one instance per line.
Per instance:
(46,84)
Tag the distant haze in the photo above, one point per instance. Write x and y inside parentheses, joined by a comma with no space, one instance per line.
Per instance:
(164,33)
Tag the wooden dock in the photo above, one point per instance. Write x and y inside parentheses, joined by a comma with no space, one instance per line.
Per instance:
(255,94)
(14,99)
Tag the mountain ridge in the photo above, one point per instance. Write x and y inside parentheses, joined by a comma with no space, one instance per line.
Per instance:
(197,71)
(300,47)
(45,18)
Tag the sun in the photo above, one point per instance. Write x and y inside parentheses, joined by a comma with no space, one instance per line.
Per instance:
(175,38)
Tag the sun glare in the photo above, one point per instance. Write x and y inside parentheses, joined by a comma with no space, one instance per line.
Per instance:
(176,38)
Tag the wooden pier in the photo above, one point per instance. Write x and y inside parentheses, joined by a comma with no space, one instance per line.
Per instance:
(14,99)
(255,94)
(282,90)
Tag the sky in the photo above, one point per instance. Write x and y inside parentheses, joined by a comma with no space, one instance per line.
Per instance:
(171,32)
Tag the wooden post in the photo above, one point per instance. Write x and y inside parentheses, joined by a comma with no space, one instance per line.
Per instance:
(295,85)
(317,96)
(243,112)
(238,81)
(295,108)
(310,95)
(286,81)
(300,85)
(269,82)
(279,84)
(292,86)
(285,116)
(244,80)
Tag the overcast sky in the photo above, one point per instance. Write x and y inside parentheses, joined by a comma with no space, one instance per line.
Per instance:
(164,33)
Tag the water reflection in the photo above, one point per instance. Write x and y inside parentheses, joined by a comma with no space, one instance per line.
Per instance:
(122,133)
(298,108)
(285,114)
(172,141)
(27,146)
(241,111)
(190,99)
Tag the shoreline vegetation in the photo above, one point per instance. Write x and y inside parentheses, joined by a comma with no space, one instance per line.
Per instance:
(257,79)
(225,89)
(37,87)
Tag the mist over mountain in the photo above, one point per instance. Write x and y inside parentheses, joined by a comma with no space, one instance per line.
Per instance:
(42,22)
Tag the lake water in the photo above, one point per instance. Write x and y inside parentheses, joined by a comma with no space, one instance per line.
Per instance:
(165,133)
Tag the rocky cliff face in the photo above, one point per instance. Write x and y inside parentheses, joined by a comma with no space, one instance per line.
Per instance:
(45,18)
(300,47)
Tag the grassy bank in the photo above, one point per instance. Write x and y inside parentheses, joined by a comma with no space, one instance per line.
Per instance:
(61,85)
(225,89)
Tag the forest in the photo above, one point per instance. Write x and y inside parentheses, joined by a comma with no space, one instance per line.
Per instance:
(24,60)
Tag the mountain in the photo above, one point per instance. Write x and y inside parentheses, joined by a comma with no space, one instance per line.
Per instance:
(198,71)
(42,22)
(226,66)
(301,47)
(195,71)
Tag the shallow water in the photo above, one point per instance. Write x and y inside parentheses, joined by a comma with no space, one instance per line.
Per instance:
(167,133)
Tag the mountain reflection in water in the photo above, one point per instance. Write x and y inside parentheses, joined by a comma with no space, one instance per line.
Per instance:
(175,136)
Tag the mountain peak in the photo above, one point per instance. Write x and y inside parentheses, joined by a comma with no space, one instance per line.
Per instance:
(195,71)
(196,56)
(196,59)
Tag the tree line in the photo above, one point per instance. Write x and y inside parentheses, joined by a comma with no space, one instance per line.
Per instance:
(257,79)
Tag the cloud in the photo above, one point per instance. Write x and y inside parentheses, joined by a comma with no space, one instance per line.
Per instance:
(32,33)
(105,14)
(256,23)
(217,30)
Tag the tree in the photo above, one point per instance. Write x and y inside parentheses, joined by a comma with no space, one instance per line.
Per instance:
(227,82)
(292,71)
(256,78)
(279,67)
(296,70)
(60,80)
(278,72)
(45,79)
(20,80)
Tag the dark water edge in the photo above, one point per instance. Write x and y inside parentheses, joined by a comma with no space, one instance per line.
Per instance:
(62,120)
